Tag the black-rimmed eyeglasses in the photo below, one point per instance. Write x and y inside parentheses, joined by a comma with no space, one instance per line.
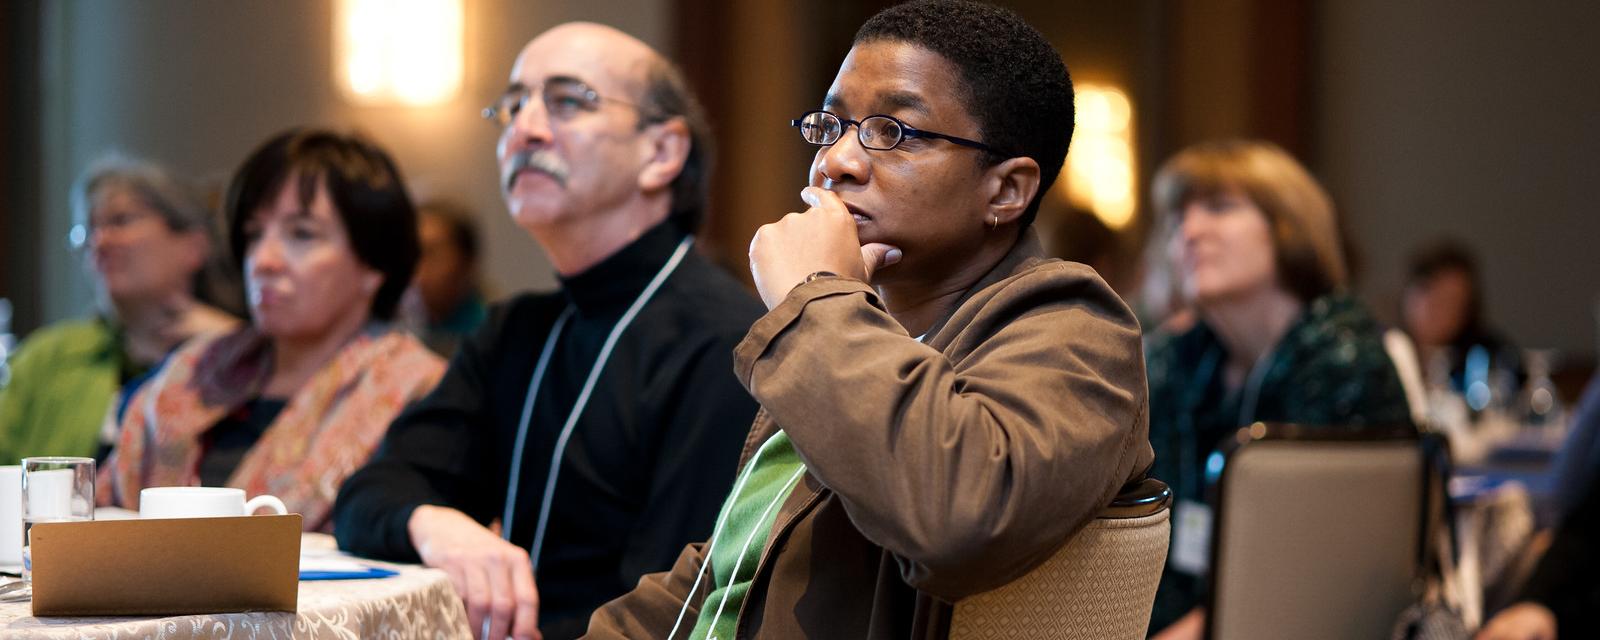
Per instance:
(878,132)
(564,98)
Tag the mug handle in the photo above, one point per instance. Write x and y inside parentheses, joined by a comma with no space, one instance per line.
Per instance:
(265,501)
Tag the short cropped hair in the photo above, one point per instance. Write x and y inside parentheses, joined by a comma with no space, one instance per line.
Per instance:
(180,206)
(667,96)
(1011,80)
(176,203)
(364,185)
(1305,227)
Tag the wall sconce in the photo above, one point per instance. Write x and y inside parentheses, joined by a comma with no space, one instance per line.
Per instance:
(1099,172)
(398,51)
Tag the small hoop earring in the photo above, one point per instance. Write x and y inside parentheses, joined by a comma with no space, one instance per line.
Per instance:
(994,222)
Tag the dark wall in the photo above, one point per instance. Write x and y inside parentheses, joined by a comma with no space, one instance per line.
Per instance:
(19,177)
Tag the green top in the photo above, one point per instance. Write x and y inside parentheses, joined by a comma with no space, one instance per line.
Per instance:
(63,378)
(746,519)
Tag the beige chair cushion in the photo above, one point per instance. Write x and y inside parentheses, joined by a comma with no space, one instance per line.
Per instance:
(1100,586)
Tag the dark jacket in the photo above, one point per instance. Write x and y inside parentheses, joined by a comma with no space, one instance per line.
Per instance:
(934,471)
(1564,580)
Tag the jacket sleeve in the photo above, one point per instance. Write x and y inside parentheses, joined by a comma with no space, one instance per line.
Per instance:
(1564,579)
(657,604)
(431,454)
(970,467)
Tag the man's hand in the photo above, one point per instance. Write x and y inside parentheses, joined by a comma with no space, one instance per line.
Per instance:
(1521,621)
(823,238)
(493,577)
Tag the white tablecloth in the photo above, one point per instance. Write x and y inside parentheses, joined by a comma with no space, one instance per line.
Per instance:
(418,603)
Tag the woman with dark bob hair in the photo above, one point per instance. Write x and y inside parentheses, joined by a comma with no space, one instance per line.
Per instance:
(1278,338)
(326,237)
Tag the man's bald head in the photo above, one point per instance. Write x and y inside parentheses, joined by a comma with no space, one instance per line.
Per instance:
(622,57)
(632,71)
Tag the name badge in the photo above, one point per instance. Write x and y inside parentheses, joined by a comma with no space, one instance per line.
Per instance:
(1191,540)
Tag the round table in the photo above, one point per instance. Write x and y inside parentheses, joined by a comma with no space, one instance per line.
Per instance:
(418,603)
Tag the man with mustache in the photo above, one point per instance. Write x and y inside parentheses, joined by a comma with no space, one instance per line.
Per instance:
(571,445)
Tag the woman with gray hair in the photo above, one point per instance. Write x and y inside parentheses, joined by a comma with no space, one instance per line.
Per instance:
(145,239)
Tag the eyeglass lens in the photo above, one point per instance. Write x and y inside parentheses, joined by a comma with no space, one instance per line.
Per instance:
(563,99)
(875,132)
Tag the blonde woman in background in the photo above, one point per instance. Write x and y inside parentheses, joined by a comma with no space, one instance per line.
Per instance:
(1278,338)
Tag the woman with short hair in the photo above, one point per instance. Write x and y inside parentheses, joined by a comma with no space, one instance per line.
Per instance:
(1279,338)
(325,235)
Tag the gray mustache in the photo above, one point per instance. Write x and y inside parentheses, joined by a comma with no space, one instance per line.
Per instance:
(537,160)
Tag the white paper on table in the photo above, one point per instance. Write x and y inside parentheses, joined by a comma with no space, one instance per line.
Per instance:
(330,560)
(332,564)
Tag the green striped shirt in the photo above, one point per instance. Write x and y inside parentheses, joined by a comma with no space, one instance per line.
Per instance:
(746,519)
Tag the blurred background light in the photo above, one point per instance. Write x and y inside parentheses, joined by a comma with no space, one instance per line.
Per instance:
(1099,172)
(399,51)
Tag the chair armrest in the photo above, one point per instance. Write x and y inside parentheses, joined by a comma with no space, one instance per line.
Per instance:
(1137,499)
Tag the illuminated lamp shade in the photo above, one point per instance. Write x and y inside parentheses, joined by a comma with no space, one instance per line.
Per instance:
(1099,172)
(398,51)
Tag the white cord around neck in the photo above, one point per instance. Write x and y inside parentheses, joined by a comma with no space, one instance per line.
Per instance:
(527,413)
(577,407)
(716,532)
(733,576)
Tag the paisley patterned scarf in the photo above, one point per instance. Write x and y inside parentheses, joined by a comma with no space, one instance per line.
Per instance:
(326,431)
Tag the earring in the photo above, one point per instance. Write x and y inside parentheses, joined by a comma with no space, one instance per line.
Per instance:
(994,222)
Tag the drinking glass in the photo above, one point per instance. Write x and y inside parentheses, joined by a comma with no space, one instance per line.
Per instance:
(54,489)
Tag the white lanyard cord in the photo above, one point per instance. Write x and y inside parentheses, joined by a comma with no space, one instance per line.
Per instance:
(527,413)
(578,406)
(716,532)
(727,589)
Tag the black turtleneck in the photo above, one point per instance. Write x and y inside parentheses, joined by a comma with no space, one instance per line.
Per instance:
(647,465)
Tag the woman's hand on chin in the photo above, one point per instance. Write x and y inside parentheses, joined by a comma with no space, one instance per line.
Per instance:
(823,238)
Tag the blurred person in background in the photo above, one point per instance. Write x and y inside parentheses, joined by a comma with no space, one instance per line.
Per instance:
(326,237)
(147,241)
(1441,309)
(445,293)
(1278,337)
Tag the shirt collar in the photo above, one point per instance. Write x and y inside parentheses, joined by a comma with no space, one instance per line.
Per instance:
(612,284)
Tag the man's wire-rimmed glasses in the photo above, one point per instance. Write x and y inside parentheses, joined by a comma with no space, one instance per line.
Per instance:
(877,132)
(564,99)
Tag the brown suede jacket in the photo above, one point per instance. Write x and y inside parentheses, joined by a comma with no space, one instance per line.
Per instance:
(934,471)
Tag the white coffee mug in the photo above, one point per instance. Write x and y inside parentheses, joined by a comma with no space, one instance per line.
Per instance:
(11,515)
(202,502)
